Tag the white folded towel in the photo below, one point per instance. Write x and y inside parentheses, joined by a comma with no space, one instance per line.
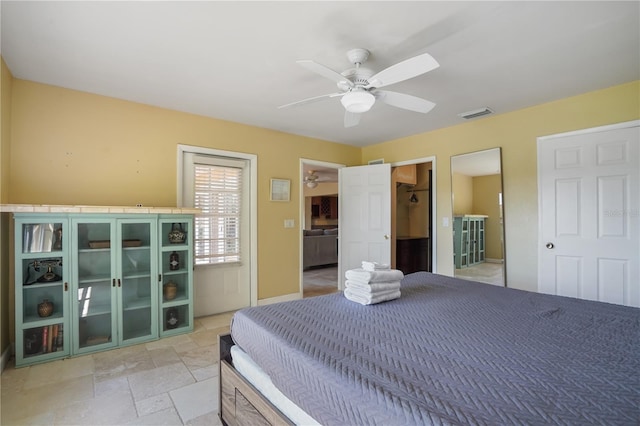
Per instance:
(373,288)
(369,299)
(367,277)
(374,266)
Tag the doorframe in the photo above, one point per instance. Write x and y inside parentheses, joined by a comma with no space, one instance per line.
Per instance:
(434,210)
(301,208)
(542,139)
(253,203)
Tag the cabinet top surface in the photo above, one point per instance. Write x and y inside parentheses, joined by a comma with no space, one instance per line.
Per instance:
(50,208)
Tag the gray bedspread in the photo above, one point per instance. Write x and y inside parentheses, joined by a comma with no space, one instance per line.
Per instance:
(450,352)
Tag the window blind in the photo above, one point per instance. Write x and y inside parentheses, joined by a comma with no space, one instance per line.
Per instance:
(218,193)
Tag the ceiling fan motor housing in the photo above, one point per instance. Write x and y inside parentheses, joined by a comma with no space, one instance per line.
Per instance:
(358,56)
(359,76)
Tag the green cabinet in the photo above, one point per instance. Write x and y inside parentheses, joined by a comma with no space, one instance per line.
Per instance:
(106,277)
(468,240)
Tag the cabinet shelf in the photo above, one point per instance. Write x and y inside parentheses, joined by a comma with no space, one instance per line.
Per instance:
(93,309)
(139,248)
(89,279)
(180,271)
(95,250)
(178,301)
(134,304)
(136,275)
(41,254)
(175,247)
(31,321)
(42,285)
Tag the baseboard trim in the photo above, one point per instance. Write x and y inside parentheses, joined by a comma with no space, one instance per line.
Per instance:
(278,299)
(494,260)
(6,355)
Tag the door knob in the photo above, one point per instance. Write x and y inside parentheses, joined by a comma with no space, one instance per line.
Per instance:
(386,236)
(549,246)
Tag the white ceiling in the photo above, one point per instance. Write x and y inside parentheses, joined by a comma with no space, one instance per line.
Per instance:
(236,60)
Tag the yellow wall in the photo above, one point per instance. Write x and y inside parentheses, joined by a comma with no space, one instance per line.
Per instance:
(485,201)
(516,133)
(462,194)
(79,148)
(6,82)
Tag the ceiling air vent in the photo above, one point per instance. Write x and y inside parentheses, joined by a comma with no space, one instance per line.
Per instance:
(476,113)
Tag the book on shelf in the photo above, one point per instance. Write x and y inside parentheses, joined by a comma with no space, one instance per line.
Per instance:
(59,341)
(52,338)
(45,339)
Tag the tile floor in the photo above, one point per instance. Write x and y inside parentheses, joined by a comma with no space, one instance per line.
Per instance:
(319,281)
(172,381)
(490,273)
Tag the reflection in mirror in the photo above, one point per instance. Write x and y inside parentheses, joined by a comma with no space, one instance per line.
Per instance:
(478,226)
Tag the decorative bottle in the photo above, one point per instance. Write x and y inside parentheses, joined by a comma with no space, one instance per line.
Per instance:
(172,318)
(174,261)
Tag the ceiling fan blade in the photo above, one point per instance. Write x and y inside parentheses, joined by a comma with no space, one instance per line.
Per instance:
(324,71)
(351,119)
(404,70)
(404,101)
(311,100)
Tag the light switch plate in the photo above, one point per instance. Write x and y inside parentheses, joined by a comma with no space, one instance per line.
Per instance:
(445,222)
(289,223)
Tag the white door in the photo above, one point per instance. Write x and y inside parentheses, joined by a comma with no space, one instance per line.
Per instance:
(364,216)
(224,286)
(589,209)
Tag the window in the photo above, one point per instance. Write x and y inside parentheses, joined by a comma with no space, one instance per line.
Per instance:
(218,193)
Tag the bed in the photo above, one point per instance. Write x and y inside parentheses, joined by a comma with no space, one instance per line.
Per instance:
(448,351)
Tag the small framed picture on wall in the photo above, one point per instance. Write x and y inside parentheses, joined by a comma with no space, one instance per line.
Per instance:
(280,189)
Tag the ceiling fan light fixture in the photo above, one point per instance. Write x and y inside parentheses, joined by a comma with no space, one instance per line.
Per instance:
(358,101)
(312,184)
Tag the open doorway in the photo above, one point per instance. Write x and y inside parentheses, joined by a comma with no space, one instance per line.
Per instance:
(319,227)
(412,217)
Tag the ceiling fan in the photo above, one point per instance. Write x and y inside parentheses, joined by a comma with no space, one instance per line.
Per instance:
(311,179)
(359,87)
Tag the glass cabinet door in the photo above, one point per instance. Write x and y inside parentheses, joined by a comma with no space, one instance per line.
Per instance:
(116,301)
(136,280)
(95,284)
(42,289)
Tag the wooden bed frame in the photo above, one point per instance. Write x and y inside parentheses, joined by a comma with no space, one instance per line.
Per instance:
(240,403)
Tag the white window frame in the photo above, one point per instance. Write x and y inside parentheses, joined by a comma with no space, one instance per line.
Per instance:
(252,204)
